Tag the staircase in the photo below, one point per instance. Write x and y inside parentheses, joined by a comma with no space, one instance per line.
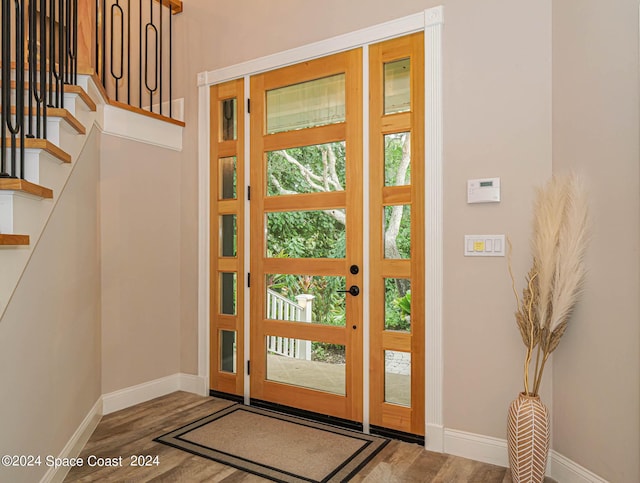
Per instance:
(27,201)
(48,109)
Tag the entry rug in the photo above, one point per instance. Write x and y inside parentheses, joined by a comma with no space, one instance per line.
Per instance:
(276,446)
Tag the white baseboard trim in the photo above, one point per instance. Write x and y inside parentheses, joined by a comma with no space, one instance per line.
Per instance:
(195,384)
(434,439)
(566,471)
(476,447)
(494,450)
(130,396)
(74,446)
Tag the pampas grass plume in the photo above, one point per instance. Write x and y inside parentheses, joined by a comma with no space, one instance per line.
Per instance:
(556,278)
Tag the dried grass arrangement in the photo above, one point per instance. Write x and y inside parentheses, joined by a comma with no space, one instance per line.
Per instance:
(556,277)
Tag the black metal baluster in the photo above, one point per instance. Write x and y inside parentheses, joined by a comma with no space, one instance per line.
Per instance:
(117,78)
(74,46)
(16,129)
(67,41)
(62,48)
(6,85)
(20,81)
(160,56)
(129,52)
(140,56)
(42,97)
(52,51)
(32,74)
(170,62)
(104,44)
(69,45)
(151,27)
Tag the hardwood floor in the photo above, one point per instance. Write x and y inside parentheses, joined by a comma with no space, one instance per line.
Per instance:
(130,433)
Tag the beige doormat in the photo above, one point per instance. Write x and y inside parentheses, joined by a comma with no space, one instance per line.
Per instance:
(276,446)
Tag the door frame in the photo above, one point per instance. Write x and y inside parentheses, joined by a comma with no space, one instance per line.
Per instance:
(430,21)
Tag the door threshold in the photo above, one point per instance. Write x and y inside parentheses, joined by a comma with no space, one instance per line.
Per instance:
(322,418)
(227,396)
(395,434)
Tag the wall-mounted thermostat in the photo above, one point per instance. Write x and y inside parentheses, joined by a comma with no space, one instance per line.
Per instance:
(486,190)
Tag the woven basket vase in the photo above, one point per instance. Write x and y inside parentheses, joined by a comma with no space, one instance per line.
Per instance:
(528,439)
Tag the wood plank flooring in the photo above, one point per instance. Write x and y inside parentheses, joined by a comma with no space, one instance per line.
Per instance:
(130,432)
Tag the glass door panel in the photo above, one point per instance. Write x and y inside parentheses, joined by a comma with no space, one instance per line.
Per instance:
(227,178)
(397,86)
(312,103)
(310,299)
(228,351)
(307,364)
(397,378)
(307,169)
(306,234)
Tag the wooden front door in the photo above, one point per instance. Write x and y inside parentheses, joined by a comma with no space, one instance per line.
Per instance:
(306,236)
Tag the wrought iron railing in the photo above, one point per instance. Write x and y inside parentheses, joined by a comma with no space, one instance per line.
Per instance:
(134,52)
(133,57)
(39,56)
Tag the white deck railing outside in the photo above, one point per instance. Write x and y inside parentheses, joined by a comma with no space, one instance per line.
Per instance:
(281,308)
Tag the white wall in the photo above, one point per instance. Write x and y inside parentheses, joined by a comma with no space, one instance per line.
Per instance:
(596,369)
(50,364)
(140,254)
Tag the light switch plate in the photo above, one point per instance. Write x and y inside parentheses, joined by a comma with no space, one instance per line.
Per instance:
(484,245)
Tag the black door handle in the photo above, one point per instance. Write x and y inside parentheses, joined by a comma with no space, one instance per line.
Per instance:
(353,290)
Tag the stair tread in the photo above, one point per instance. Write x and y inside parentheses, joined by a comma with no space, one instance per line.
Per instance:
(68,89)
(13,239)
(83,95)
(16,184)
(45,145)
(70,119)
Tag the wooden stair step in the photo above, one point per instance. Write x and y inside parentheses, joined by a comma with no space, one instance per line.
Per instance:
(45,145)
(69,118)
(68,88)
(9,239)
(73,89)
(17,184)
